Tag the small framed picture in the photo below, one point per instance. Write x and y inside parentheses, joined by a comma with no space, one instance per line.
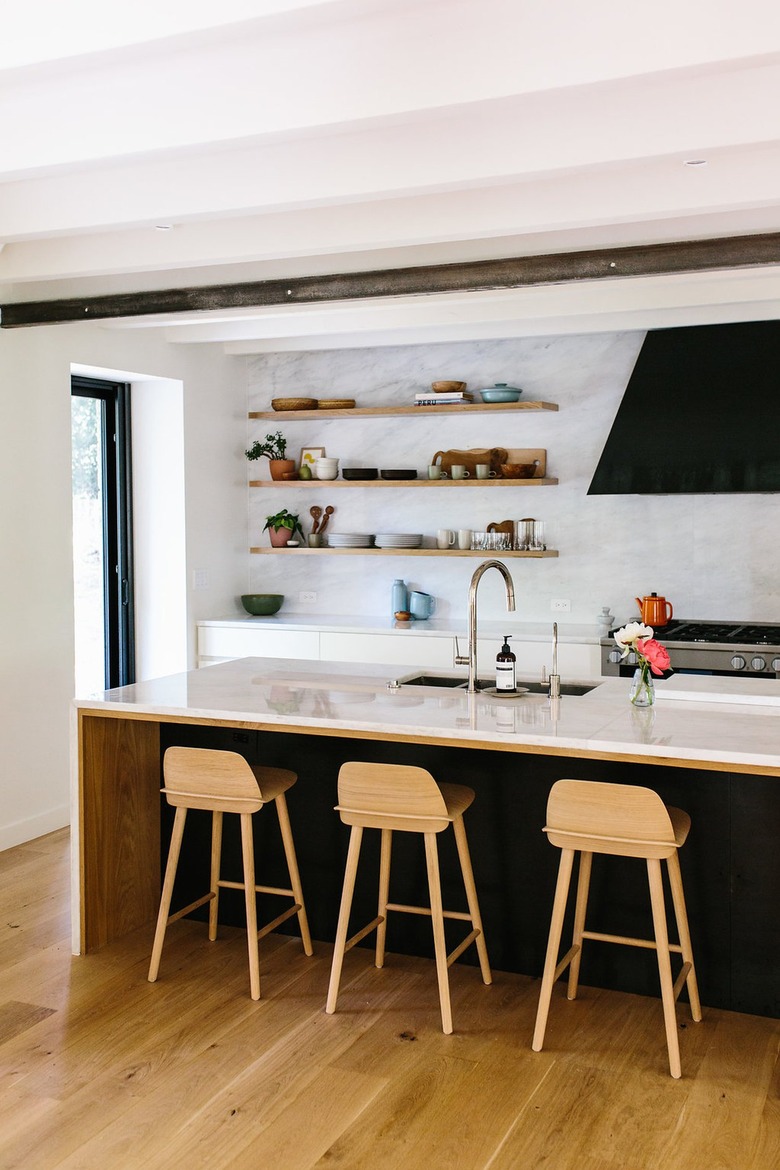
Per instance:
(310,455)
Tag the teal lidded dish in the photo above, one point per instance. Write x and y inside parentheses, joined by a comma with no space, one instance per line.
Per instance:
(501,392)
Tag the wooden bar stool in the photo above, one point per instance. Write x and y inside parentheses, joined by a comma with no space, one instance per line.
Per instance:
(223,782)
(591,817)
(396,797)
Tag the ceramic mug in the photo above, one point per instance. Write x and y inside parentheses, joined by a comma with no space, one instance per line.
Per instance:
(434,471)
(421,605)
(464,538)
(483,471)
(458,471)
(445,538)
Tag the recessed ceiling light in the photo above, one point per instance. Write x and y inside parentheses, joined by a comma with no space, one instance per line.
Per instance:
(163,227)
(695,162)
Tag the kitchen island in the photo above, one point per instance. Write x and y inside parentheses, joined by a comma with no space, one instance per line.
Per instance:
(717,758)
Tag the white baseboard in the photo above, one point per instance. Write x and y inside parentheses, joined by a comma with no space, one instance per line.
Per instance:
(27,830)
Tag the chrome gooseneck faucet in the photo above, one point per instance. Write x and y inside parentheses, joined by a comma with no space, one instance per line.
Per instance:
(471,659)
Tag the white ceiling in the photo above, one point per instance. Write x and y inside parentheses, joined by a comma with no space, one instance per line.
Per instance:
(292,137)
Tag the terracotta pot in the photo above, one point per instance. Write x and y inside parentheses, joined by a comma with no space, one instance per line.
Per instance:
(279,536)
(280,466)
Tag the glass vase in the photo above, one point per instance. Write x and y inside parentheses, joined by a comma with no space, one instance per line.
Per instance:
(642,692)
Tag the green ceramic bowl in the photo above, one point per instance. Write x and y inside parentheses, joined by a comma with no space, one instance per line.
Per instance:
(262,604)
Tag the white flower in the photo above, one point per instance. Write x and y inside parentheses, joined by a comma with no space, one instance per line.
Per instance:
(627,635)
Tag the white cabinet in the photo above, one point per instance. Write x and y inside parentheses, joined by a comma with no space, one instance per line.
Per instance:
(220,641)
(399,648)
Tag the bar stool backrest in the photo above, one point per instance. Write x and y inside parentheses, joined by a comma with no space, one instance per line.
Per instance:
(211,779)
(598,817)
(391,796)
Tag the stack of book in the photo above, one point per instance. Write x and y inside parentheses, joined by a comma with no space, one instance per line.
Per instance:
(442,398)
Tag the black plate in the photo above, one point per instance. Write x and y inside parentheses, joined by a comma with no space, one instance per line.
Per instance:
(359,473)
(398,473)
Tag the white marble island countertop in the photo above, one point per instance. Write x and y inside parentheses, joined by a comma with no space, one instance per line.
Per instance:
(737,730)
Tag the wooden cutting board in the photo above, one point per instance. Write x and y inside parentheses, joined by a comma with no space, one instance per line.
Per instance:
(489,455)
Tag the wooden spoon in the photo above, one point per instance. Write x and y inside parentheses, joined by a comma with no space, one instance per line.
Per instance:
(315,512)
(328,513)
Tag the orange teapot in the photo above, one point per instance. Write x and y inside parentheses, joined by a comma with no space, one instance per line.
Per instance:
(654,610)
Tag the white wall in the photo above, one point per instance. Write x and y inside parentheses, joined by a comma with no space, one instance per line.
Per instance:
(36,590)
(159,527)
(713,556)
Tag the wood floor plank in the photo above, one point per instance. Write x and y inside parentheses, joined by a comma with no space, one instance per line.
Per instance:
(100,1070)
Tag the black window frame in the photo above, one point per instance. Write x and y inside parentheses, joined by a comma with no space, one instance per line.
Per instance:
(116,475)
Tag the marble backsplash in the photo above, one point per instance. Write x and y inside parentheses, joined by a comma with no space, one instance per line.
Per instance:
(713,556)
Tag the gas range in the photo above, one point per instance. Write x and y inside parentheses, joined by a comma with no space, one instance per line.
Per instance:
(738,648)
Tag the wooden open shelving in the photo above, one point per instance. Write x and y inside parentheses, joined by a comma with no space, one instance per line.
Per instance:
(404,552)
(387,411)
(308,484)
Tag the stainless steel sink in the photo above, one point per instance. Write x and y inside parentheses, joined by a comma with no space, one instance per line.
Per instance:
(455,682)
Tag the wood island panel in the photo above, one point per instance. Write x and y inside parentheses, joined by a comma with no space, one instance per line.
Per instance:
(120,826)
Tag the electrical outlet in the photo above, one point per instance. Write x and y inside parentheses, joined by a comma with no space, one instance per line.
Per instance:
(307,595)
(560,605)
(200,578)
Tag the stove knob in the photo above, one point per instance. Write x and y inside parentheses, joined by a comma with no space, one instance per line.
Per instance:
(738,662)
(757,663)
(615,656)
(776,664)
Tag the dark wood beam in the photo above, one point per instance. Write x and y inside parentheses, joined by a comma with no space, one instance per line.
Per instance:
(473,276)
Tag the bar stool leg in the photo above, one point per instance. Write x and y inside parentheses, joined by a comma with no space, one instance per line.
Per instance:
(167,892)
(683,933)
(384,891)
(471,896)
(353,856)
(553,946)
(216,854)
(583,888)
(292,867)
(248,854)
(437,919)
(664,963)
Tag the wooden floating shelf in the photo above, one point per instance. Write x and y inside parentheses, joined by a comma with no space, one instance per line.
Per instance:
(404,552)
(327,484)
(385,411)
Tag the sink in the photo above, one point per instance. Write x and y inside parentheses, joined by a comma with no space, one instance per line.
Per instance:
(457,682)
(435,680)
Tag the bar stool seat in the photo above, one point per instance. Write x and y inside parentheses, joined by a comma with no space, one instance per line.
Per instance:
(588,817)
(397,797)
(223,782)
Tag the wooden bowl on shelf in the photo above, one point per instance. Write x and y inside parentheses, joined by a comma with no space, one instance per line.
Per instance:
(335,403)
(518,470)
(294,403)
(447,387)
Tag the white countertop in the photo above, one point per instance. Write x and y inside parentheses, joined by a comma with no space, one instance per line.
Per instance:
(736,728)
(432,627)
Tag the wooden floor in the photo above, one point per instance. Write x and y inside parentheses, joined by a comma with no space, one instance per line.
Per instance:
(100,1068)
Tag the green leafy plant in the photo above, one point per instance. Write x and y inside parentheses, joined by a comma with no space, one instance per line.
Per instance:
(284,519)
(274,447)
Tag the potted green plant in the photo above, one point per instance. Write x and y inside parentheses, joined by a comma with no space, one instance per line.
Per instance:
(274,448)
(282,527)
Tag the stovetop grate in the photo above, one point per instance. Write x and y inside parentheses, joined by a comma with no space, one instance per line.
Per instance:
(730,633)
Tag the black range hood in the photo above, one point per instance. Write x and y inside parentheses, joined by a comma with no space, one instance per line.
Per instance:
(701,413)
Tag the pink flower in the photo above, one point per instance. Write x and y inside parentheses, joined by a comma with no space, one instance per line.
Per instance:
(654,653)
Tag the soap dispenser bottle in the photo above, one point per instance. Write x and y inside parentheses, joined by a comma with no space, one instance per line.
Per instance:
(506,678)
(399,598)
